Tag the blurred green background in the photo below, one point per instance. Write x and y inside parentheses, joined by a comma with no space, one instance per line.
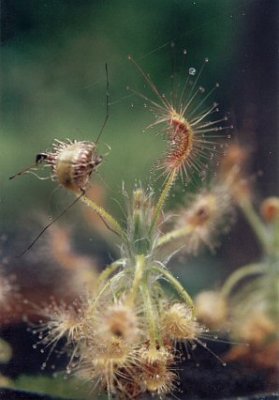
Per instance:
(53,59)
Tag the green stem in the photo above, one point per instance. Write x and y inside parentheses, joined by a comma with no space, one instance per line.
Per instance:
(238,275)
(162,198)
(175,284)
(108,271)
(150,315)
(108,219)
(255,222)
(174,235)
(138,276)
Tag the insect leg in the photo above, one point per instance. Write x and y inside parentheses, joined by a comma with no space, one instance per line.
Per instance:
(52,222)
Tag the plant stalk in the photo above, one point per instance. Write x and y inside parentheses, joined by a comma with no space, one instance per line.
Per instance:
(238,275)
(162,199)
(175,284)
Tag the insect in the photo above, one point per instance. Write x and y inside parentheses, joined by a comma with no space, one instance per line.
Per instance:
(71,162)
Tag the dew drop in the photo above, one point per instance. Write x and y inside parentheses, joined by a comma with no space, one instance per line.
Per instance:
(184,51)
(206,59)
(192,71)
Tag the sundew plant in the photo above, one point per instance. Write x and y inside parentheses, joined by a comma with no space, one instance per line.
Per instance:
(123,335)
(248,301)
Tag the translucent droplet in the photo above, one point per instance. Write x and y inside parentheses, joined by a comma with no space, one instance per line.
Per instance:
(184,51)
(192,71)
(206,59)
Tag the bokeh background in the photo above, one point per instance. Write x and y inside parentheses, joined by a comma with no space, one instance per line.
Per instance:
(53,55)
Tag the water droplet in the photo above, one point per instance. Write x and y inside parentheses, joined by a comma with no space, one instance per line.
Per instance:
(206,59)
(184,51)
(192,71)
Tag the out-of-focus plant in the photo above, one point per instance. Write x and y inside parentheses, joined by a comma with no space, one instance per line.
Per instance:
(7,292)
(248,302)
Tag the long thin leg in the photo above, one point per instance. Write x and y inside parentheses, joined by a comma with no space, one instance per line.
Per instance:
(52,222)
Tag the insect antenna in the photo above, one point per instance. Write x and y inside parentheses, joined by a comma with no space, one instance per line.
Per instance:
(40,158)
(52,222)
(24,171)
(107,106)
